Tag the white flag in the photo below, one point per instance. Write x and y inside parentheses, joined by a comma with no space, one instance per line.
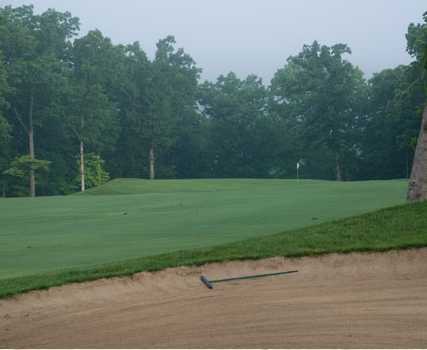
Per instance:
(298,165)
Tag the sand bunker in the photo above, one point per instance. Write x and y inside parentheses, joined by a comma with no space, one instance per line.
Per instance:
(354,300)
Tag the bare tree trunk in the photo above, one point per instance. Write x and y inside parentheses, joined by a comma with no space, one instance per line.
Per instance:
(152,163)
(31,146)
(417,189)
(82,167)
(338,168)
(82,156)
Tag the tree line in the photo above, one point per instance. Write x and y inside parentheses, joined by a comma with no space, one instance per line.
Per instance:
(77,110)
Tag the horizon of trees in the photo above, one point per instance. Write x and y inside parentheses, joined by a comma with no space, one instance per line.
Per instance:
(78,110)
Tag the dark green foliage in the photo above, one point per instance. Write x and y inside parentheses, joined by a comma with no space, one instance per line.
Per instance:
(172,102)
(61,96)
(391,128)
(320,95)
(91,114)
(417,41)
(245,140)
(396,101)
(4,125)
(395,228)
(35,49)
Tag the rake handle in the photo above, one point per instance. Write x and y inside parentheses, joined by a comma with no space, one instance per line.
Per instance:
(253,276)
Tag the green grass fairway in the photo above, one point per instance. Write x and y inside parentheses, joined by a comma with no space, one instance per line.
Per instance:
(135,218)
(398,227)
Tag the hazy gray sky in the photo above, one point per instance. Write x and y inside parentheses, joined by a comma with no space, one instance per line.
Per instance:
(248,36)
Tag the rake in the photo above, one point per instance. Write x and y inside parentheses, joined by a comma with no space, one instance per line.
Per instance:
(209,283)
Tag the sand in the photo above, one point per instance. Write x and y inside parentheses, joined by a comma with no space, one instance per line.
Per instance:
(354,300)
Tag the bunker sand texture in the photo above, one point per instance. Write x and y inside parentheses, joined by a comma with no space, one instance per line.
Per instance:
(354,300)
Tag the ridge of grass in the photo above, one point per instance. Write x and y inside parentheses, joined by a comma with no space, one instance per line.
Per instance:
(128,186)
(399,227)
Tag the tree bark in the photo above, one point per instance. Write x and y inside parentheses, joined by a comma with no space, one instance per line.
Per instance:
(31,146)
(82,167)
(338,168)
(82,157)
(417,188)
(152,163)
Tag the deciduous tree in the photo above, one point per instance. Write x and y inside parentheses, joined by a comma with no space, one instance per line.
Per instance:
(92,116)
(321,92)
(35,49)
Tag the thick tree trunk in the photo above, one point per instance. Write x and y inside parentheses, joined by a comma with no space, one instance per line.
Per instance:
(82,167)
(152,163)
(338,168)
(31,146)
(417,189)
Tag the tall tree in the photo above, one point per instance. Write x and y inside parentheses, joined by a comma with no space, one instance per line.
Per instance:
(172,96)
(4,126)
(417,41)
(92,116)
(321,92)
(243,140)
(35,48)
(393,112)
(417,47)
(132,95)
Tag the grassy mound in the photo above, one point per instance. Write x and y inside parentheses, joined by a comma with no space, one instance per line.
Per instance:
(393,228)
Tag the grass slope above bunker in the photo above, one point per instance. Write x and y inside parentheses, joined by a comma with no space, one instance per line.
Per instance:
(393,228)
(41,235)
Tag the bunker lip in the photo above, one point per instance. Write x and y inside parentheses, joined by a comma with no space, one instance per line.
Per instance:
(351,300)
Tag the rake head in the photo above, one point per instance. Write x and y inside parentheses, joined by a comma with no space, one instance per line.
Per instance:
(206,282)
